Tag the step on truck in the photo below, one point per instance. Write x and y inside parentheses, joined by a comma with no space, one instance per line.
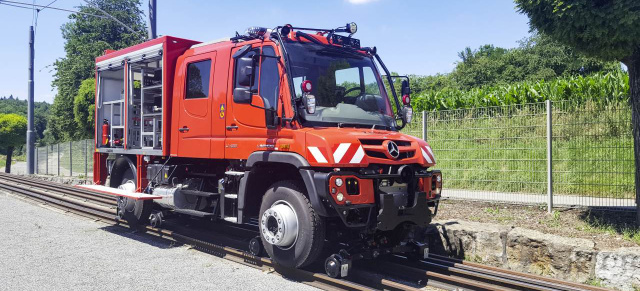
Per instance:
(293,132)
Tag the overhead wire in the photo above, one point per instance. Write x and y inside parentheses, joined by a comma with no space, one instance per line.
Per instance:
(35,27)
(34,20)
(29,6)
(114,18)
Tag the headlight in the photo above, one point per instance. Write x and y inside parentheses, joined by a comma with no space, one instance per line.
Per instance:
(340,197)
(339,182)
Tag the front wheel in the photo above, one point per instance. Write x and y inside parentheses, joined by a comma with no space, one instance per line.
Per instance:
(291,231)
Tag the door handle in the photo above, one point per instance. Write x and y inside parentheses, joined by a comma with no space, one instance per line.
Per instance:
(232,127)
(183,129)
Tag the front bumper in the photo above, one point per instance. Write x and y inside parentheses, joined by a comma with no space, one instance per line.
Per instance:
(389,209)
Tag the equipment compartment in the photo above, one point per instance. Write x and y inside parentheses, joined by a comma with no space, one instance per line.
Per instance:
(130,99)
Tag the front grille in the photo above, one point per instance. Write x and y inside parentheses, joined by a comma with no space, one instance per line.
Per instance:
(379,155)
(379,142)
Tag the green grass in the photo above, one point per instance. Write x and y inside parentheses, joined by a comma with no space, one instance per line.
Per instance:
(602,225)
(503,149)
(594,282)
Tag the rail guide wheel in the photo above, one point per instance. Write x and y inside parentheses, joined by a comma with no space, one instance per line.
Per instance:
(156,219)
(338,265)
(255,246)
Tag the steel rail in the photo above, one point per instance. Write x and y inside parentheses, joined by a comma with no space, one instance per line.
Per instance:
(62,188)
(437,271)
(107,215)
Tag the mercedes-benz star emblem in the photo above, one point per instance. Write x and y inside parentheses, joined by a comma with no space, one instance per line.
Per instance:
(392,148)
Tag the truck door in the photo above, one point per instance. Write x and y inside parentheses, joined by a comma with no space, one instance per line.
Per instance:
(250,127)
(194,123)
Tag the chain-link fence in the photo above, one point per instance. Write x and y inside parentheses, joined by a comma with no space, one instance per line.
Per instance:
(74,159)
(501,153)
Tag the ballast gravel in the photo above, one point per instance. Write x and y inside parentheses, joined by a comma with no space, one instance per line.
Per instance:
(51,250)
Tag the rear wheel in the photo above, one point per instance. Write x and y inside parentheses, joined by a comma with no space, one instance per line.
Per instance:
(291,231)
(135,212)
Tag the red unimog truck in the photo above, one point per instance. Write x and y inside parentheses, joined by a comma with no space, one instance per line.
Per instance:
(290,131)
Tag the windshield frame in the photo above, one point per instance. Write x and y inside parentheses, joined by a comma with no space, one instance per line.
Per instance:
(387,119)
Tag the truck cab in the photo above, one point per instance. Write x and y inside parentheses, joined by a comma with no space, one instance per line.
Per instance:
(291,131)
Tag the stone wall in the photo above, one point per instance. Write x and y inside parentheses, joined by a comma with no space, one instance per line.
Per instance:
(534,252)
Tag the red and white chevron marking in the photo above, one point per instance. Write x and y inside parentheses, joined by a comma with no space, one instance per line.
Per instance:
(427,153)
(345,153)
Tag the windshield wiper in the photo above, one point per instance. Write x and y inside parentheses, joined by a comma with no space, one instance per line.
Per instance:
(362,125)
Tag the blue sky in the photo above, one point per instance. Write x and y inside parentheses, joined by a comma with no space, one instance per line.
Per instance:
(412,36)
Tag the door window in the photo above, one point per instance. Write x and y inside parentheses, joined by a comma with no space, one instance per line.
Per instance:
(198,77)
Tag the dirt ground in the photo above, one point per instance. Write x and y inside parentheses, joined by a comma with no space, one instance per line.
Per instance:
(608,229)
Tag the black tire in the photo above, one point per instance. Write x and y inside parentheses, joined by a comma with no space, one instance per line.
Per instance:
(311,233)
(135,212)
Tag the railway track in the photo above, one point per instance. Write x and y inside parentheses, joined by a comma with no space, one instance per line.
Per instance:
(391,273)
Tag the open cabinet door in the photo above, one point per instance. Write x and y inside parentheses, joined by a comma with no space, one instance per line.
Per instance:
(194,124)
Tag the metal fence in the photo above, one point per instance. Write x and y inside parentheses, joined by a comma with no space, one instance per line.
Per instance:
(72,159)
(558,152)
(554,153)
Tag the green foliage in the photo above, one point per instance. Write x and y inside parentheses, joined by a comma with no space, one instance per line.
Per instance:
(17,106)
(84,107)
(604,28)
(13,130)
(536,58)
(87,37)
(598,87)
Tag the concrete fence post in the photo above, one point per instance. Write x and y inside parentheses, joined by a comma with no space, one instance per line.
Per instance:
(424,125)
(46,159)
(58,150)
(549,158)
(70,159)
(86,159)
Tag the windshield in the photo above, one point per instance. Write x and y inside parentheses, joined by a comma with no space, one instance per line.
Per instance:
(346,85)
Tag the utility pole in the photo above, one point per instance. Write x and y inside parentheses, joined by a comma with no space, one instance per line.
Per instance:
(152,18)
(30,133)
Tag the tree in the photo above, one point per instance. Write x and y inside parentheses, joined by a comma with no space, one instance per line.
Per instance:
(537,57)
(87,37)
(84,108)
(41,112)
(607,29)
(13,130)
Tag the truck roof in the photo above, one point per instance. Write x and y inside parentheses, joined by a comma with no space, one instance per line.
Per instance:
(110,54)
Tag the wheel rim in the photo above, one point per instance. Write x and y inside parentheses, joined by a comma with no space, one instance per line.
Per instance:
(125,203)
(129,186)
(279,225)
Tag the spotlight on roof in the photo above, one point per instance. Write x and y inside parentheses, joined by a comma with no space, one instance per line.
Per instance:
(256,31)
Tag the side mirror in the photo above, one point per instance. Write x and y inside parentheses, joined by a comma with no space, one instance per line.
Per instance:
(242,95)
(407,114)
(406,90)
(246,71)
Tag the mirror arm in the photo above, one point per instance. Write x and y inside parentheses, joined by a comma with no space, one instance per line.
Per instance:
(287,70)
(390,80)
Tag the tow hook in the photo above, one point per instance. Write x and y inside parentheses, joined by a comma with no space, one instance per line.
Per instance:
(338,265)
